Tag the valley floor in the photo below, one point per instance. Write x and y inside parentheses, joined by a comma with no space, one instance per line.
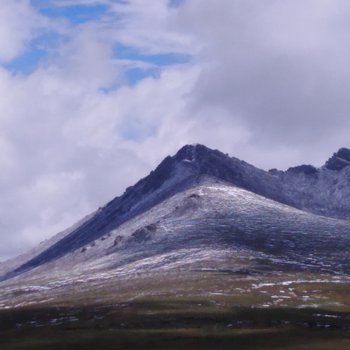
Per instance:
(173,323)
(227,311)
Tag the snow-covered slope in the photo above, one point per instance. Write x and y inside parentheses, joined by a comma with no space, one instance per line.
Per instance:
(201,203)
(218,215)
(209,227)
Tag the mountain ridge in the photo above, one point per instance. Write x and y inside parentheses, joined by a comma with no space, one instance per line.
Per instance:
(303,187)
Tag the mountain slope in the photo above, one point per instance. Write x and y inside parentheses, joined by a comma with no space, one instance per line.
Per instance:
(200,240)
(321,191)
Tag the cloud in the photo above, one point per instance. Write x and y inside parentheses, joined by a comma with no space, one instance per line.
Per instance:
(19,23)
(74,133)
(278,68)
(150,26)
(109,94)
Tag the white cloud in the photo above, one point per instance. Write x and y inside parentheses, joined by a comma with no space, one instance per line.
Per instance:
(267,82)
(18,25)
(73,137)
(151,27)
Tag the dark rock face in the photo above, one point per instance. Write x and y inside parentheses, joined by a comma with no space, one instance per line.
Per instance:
(303,169)
(275,172)
(214,164)
(117,241)
(339,160)
(143,234)
(157,177)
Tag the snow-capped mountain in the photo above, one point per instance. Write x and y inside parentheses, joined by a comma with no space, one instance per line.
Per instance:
(201,209)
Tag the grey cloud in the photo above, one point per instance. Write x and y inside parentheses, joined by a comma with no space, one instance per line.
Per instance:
(279,68)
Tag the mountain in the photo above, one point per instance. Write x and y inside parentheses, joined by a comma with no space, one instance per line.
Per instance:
(200,211)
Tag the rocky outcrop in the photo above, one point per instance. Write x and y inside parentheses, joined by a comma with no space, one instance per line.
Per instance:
(339,160)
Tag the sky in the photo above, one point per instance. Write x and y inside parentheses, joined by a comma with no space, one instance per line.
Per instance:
(95,93)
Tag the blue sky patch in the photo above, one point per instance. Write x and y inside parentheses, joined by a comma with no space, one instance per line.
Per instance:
(155,62)
(124,52)
(143,65)
(76,14)
(175,3)
(134,75)
(27,62)
(38,49)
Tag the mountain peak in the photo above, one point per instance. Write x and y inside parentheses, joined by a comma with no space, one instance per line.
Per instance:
(339,160)
(192,152)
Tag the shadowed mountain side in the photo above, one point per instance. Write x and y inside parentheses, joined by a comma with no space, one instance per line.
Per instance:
(159,185)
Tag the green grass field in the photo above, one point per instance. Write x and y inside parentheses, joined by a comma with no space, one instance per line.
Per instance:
(174,323)
(204,310)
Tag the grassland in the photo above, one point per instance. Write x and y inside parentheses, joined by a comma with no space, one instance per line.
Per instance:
(173,323)
(204,310)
